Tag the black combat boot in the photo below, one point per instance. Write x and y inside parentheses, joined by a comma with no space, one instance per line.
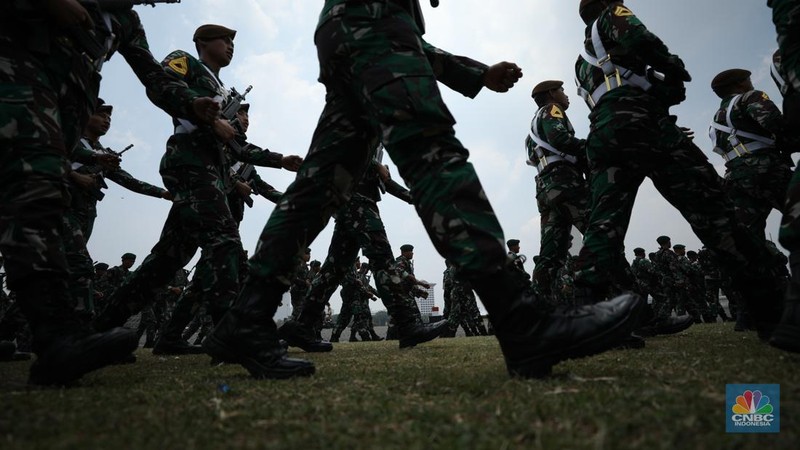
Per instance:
(65,349)
(171,341)
(335,335)
(651,325)
(374,335)
(787,334)
(535,337)
(302,331)
(247,335)
(353,337)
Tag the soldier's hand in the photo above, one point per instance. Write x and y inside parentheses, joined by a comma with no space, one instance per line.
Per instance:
(177,290)
(167,195)
(688,132)
(87,182)
(206,109)
(677,69)
(107,161)
(292,162)
(383,172)
(243,189)
(68,13)
(502,76)
(224,130)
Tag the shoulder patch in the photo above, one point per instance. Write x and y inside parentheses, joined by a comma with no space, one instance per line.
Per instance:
(764,96)
(555,111)
(622,11)
(179,65)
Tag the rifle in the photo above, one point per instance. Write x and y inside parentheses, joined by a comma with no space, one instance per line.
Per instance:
(229,113)
(245,174)
(98,193)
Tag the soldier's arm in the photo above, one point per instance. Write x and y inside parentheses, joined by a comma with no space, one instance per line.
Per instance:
(459,73)
(554,125)
(130,183)
(258,156)
(399,191)
(265,189)
(167,92)
(761,109)
(634,37)
(83,155)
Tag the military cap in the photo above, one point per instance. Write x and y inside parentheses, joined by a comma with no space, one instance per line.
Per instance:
(128,256)
(210,31)
(586,3)
(308,251)
(315,263)
(691,253)
(678,246)
(728,78)
(663,240)
(512,243)
(638,251)
(102,106)
(406,248)
(546,86)
(101,266)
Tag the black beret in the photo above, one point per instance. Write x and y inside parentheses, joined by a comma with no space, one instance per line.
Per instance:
(406,248)
(678,246)
(638,250)
(128,256)
(102,106)
(663,240)
(729,77)
(512,242)
(308,251)
(101,266)
(210,31)
(315,263)
(546,86)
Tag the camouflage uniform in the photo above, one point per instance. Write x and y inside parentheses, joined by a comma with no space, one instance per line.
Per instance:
(376,92)
(361,312)
(82,212)
(409,288)
(564,291)
(195,169)
(756,181)
(48,88)
(632,137)
(299,289)
(646,277)
(562,195)
(359,226)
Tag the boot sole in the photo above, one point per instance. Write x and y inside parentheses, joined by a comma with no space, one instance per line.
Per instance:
(541,366)
(314,347)
(115,349)
(412,342)
(224,353)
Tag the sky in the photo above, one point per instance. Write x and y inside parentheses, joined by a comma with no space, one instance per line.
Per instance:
(275,53)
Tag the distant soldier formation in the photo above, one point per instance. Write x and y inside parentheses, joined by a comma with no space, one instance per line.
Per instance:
(75,315)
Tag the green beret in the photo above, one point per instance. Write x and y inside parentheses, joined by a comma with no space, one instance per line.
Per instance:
(210,31)
(512,243)
(663,240)
(315,263)
(101,266)
(128,256)
(678,246)
(546,86)
(406,248)
(638,251)
(308,251)
(728,78)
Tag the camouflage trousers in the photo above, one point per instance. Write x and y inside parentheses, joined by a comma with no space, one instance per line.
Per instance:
(199,218)
(401,105)
(358,226)
(81,266)
(361,316)
(757,185)
(346,313)
(621,154)
(45,101)
(563,200)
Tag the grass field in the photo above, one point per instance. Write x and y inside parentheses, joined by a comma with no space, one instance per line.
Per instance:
(449,393)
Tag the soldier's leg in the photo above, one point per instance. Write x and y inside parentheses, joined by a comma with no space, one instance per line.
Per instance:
(33,197)
(80,265)
(691,184)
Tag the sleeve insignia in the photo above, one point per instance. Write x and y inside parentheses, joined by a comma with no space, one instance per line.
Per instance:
(764,96)
(179,65)
(555,111)
(622,11)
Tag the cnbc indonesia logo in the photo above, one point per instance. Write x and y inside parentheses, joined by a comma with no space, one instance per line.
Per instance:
(753,408)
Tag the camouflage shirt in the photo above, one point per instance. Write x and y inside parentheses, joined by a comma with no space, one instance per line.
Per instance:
(555,128)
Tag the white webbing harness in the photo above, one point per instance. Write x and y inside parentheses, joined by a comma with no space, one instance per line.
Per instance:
(546,154)
(739,148)
(777,78)
(186,126)
(615,75)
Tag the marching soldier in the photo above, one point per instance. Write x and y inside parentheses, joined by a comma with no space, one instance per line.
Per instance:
(562,195)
